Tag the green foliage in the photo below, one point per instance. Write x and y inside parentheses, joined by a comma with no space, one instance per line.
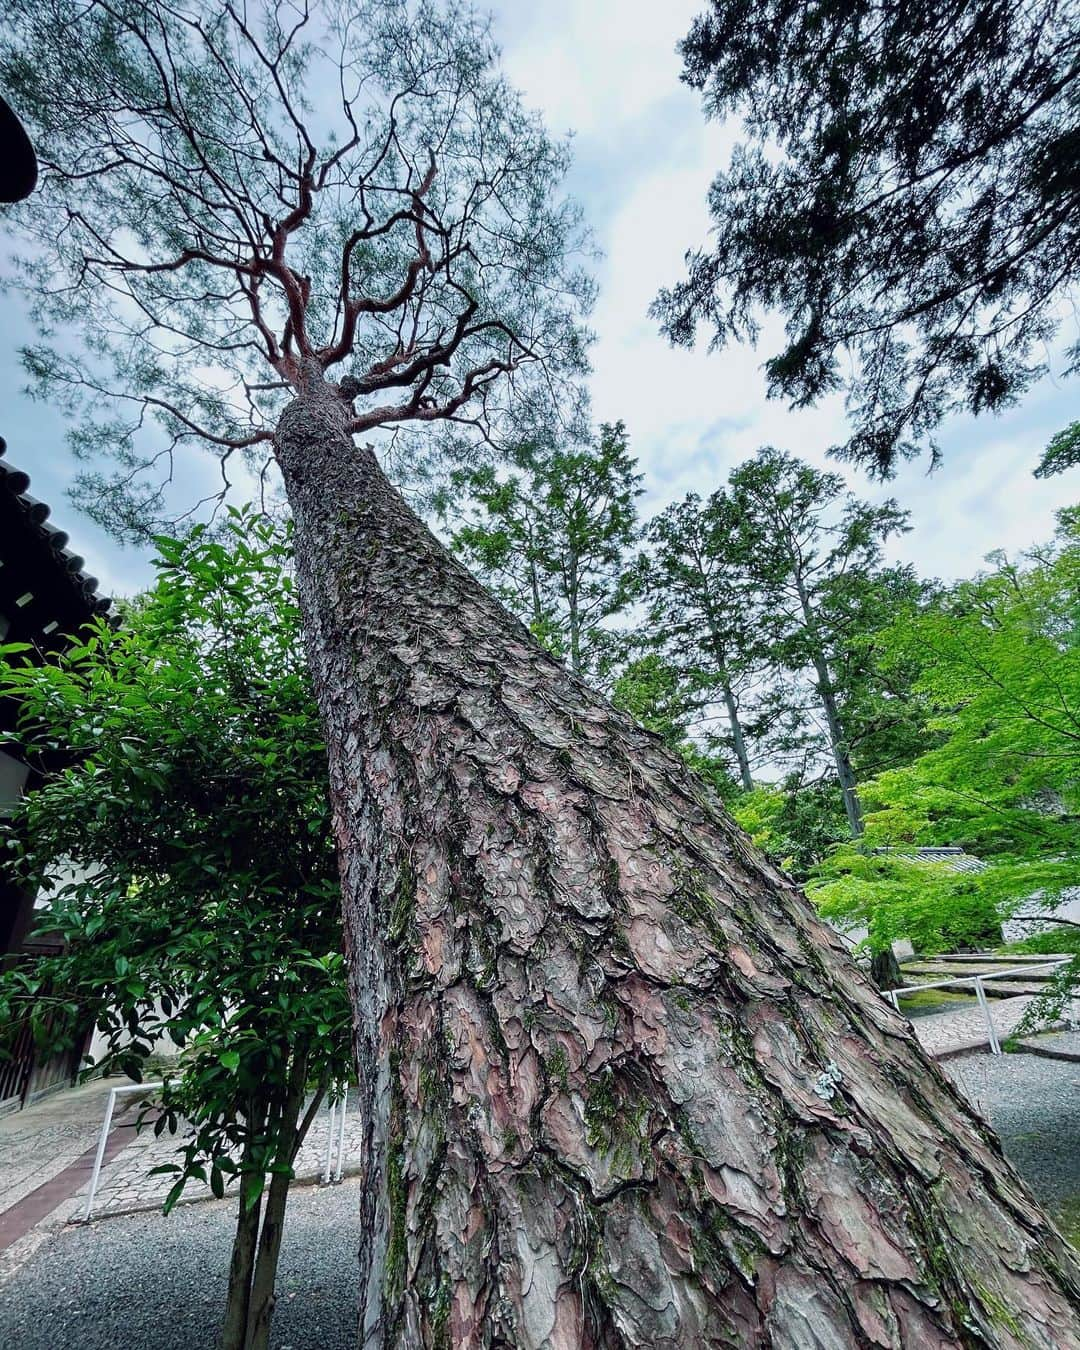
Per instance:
(1000,665)
(896,897)
(652,692)
(186,852)
(796,824)
(552,542)
(918,227)
(1062,453)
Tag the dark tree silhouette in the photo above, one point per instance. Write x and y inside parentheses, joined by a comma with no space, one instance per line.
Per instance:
(922,223)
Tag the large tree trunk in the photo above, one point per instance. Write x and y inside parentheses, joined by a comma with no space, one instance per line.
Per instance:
(620,1087)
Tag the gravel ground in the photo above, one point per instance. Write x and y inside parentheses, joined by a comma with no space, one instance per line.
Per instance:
(1034,1105)
(141,1282)
(145,1283)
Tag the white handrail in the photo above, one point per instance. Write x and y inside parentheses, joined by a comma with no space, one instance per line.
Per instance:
(986,975)
(980,992)
(145,1089)
(335,1134)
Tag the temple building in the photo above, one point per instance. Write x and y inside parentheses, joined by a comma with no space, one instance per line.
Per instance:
(45,598)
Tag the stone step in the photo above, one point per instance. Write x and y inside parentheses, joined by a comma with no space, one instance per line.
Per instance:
(945,969)
(994,988)
(1064,1045)
(1011,988)
(988,958)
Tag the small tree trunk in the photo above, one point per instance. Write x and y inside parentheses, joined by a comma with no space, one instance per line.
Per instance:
(885,970)
(241,1268)
(838,744)
(738,741)
(263,1298)
(841,757)
(292,1134)
(619,1086)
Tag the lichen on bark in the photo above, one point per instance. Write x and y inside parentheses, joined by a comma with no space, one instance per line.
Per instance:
(620,1086)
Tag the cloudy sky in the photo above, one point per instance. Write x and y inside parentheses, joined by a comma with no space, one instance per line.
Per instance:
(608,71)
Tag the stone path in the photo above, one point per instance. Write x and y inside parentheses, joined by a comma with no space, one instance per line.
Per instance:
(47,1153)
(963,1030)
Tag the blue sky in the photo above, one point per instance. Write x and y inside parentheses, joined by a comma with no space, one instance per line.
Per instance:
(644,157)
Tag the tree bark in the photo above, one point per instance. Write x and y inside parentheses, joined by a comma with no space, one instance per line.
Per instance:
(885,970)
(620,1087)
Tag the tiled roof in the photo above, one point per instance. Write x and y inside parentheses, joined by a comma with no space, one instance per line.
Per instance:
(955,859)
(65,566)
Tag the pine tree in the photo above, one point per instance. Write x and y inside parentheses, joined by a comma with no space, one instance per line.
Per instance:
(619,1086)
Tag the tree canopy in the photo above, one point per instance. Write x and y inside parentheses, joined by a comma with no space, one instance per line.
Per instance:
(906,194)
(227,196)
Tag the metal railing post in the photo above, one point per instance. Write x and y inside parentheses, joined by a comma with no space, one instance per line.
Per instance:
(341,1134)
(102,1141)
(329,1143)
(980,993)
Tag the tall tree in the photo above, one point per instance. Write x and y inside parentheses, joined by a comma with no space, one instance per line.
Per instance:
(918,229)
(620,1087)
(704,605)
(186,861)
(554,543)
(815,554)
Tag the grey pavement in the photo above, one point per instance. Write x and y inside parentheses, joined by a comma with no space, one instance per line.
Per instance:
(1034,1105)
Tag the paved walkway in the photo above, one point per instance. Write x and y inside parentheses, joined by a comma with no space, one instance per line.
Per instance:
(963,1031)
(38,1143)
(47,1153)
